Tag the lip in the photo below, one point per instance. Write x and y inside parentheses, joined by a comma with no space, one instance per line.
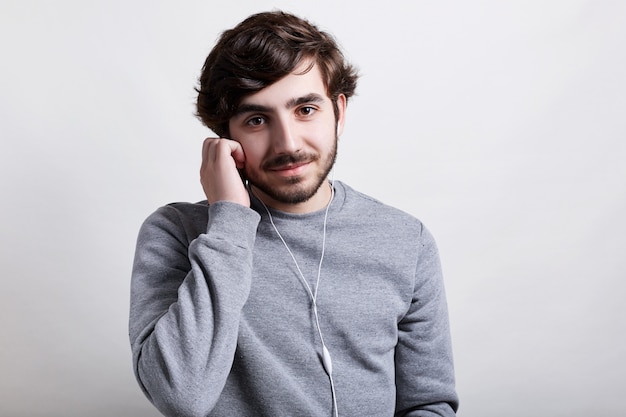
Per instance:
(291,170)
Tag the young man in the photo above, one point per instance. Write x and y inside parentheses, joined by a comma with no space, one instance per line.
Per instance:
(286,294)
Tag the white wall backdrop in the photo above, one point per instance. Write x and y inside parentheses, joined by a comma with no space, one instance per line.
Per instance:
(502,125)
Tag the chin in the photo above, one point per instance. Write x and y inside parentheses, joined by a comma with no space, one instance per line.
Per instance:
(295,192)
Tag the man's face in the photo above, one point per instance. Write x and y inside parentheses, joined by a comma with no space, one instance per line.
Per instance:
(288,132)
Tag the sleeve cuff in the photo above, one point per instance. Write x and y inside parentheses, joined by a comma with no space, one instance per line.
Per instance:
(233,221)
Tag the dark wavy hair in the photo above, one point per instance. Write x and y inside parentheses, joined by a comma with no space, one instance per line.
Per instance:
(260,51)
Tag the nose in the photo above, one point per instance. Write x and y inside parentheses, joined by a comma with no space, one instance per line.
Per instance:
(284,137)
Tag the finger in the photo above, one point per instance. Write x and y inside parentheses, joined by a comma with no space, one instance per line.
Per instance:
(207,144)
(237,153)
(228,149)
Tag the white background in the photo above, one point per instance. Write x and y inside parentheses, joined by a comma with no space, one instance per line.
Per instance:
(500,124)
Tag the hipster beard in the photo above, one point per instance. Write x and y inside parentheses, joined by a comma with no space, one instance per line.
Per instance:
(294,192)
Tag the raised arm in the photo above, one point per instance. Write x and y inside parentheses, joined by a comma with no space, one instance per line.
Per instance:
(187,293)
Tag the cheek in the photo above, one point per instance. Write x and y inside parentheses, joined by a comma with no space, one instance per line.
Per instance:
(322,131)
(253,151)
(250,143)
(326,140)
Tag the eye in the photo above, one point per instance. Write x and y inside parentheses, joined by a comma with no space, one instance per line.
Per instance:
(256,121)
(306,110)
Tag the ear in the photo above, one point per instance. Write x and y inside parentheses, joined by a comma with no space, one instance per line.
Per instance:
(342,102)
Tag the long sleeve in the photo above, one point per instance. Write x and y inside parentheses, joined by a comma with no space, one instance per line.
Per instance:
(187,291)
(424,365)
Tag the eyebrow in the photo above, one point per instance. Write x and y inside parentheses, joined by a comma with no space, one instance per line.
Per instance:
(294,102)
(309,98)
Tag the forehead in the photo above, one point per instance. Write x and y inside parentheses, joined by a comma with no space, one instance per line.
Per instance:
(304,80)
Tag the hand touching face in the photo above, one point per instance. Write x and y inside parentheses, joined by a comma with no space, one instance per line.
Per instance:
(219,175)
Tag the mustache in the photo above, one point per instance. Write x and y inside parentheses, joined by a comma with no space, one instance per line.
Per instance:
(289,159)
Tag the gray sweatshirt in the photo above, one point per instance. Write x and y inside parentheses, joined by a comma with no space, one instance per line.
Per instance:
(221,325)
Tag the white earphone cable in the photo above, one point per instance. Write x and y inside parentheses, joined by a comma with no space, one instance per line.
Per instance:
(326,359)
